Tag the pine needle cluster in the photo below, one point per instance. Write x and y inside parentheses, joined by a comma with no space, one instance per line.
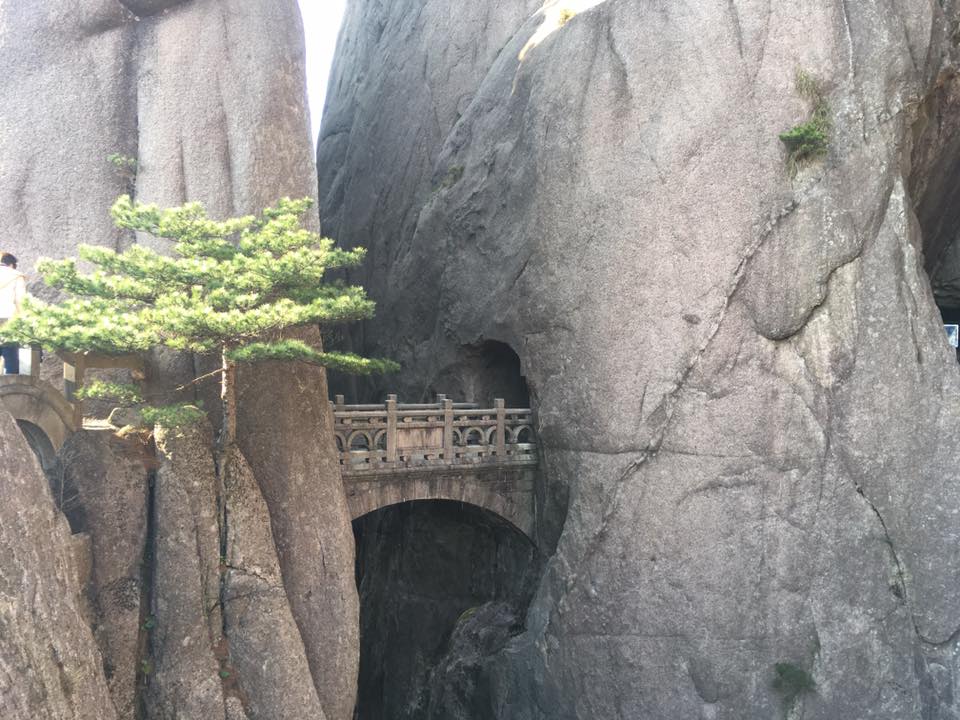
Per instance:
(230,287)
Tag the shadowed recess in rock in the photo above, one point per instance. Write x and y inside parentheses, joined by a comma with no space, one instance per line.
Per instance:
(482,373)
(934,183)
(41,446)
(428,572)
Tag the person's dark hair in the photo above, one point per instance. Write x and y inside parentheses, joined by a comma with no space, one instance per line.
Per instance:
(8,259)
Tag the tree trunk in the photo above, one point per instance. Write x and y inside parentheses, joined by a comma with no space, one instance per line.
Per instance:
(228,396)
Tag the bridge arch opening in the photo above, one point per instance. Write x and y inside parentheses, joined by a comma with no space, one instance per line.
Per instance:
(41,445)
(65,494)
(431,573)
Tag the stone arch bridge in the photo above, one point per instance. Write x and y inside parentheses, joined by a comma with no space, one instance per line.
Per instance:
(389,453)
(42,412)
(394,453)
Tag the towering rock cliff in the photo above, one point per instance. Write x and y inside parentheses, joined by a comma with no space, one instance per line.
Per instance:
(740,374)
(208,98)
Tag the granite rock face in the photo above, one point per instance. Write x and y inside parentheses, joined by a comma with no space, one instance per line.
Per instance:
(208,97)
(457,687)
(740,375)
(188,619)
(266,651)
(108,480)
(49,663)
(223,641)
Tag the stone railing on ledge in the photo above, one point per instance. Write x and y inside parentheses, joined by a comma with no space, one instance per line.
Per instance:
(385,438)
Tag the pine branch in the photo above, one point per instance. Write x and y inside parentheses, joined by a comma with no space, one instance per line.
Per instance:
(297,350)
(101,390)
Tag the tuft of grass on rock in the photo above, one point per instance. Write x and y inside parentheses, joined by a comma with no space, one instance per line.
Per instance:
(809,140)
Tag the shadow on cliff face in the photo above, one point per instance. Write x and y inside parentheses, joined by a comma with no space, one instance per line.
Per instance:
(442,584)
(66,495)
(935,187)
(40,444)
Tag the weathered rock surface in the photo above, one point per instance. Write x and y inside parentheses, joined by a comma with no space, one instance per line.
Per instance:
(224,642)
(287,437)
(67,107)
(740,377)
(384,129)
(108,480)
(49,664)
(457,685)
(187,622)
(229,128)
(266,651)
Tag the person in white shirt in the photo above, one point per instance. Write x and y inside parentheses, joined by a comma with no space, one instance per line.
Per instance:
(13,288)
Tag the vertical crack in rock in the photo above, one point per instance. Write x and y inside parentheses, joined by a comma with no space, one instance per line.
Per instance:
(223,652)
(267,660)
(845,9)
(737,27)
(147,596)
(666,407)
(187,635)
(901,591)
(110,476)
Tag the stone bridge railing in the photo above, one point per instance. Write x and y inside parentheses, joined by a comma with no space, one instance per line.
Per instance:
(384,438)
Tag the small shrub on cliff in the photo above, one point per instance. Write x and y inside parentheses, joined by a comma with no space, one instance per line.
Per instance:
(123,163)
(126,168)
(808,140)
(230,287)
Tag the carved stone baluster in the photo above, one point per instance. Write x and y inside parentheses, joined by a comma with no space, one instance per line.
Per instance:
(448,454)
(501,430)
(391,428)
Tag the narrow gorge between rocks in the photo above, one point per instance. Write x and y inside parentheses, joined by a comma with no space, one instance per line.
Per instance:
(443,587)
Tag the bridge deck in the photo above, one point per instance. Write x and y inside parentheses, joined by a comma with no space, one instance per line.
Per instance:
(385,439)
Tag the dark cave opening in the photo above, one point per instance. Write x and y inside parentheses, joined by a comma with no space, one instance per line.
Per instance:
(442,585)
(934,185)
(484,372)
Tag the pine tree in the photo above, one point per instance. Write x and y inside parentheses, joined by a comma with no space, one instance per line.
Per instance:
(229,287)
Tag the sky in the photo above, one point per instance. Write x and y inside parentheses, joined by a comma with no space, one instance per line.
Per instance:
(321,23)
